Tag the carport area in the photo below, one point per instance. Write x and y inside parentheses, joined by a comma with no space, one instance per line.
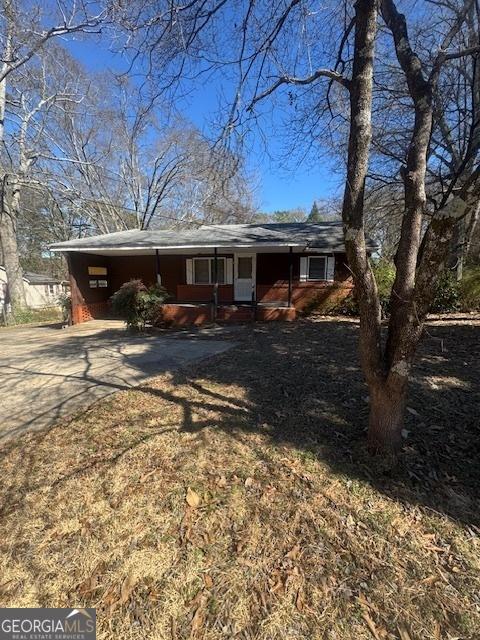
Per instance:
(47,373)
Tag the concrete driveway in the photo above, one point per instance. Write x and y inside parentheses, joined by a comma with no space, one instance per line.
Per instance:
(47,373)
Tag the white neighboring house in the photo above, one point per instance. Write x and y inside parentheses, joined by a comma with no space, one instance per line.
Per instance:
(40,290)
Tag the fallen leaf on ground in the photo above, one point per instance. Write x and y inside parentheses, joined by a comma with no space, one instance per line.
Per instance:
(404,635)
(198,619)
(208,581)
(128,585)
(299,600)
(377,633)
(293,553)
(192,498)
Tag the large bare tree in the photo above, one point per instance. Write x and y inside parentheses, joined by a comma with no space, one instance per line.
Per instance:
(25,29)
(128,165)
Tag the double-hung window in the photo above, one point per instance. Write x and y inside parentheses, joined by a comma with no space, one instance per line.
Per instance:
(204,270)
(317,268)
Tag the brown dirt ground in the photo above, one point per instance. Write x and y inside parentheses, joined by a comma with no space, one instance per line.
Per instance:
(235,499)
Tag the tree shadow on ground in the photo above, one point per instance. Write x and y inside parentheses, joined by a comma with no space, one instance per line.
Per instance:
(302,388)
(58,373)
(305,389)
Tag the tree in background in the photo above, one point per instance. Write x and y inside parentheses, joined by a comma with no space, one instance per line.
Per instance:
(101,156)
(453,149)
(130,165)
(25,30)
(315,215)
(80,160)
(40,221)
(383,217)
(287,215)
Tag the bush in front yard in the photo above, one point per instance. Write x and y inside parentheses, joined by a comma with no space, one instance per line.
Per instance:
(470,289)
(32,316)
(384,271)
(137,304)
(447,294)
(65,303)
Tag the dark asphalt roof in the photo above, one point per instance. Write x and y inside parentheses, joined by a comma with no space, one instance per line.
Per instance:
(322,235)
(38,278)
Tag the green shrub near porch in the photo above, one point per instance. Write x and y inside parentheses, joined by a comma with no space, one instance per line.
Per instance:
(138,304)
(450,295)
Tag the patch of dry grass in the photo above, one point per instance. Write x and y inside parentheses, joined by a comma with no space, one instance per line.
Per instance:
(287,532)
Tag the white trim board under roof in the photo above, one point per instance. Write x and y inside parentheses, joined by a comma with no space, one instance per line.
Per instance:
(317,237)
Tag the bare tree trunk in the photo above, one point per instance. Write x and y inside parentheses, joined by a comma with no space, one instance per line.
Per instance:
(387,400)
(471,226)
(414,183)
(9,210)
(8,236)
(8,239)
(387,411)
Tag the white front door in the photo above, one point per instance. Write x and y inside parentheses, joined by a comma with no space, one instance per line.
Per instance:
(244,280)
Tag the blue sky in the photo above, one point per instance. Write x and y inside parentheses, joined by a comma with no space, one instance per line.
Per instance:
(281,184)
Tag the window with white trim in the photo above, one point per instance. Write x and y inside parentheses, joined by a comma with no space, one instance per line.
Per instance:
(317,268)
(204,270)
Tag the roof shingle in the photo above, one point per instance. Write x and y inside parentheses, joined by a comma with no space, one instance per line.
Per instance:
(323,235)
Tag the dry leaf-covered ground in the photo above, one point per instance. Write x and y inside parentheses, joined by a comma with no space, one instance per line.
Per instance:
(235,500)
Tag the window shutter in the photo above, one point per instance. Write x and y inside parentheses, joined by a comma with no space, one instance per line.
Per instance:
(303,269)
(189,262)
(331,268)
(229,273)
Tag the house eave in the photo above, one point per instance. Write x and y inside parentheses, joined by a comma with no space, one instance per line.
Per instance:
(194,249)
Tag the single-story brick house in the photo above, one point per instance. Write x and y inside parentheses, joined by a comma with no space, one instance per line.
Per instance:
(222,272)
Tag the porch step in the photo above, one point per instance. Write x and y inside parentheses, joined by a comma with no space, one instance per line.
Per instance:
(234,313)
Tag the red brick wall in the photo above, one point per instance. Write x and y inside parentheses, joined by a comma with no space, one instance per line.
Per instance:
(85,312)
(267,314)
(204,292)
(185,314)
(272,282)
(322,295)
(125,268)
(87,303)
(78,264)
(272,268)
(90,303)
(180,315)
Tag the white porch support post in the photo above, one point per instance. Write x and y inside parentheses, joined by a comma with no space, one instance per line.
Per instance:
(254,287)
(157,266)
(290,275)
(215,284)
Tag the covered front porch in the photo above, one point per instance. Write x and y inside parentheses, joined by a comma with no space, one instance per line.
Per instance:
(212,284)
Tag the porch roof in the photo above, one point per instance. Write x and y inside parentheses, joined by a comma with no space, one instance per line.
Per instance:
(322,236)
